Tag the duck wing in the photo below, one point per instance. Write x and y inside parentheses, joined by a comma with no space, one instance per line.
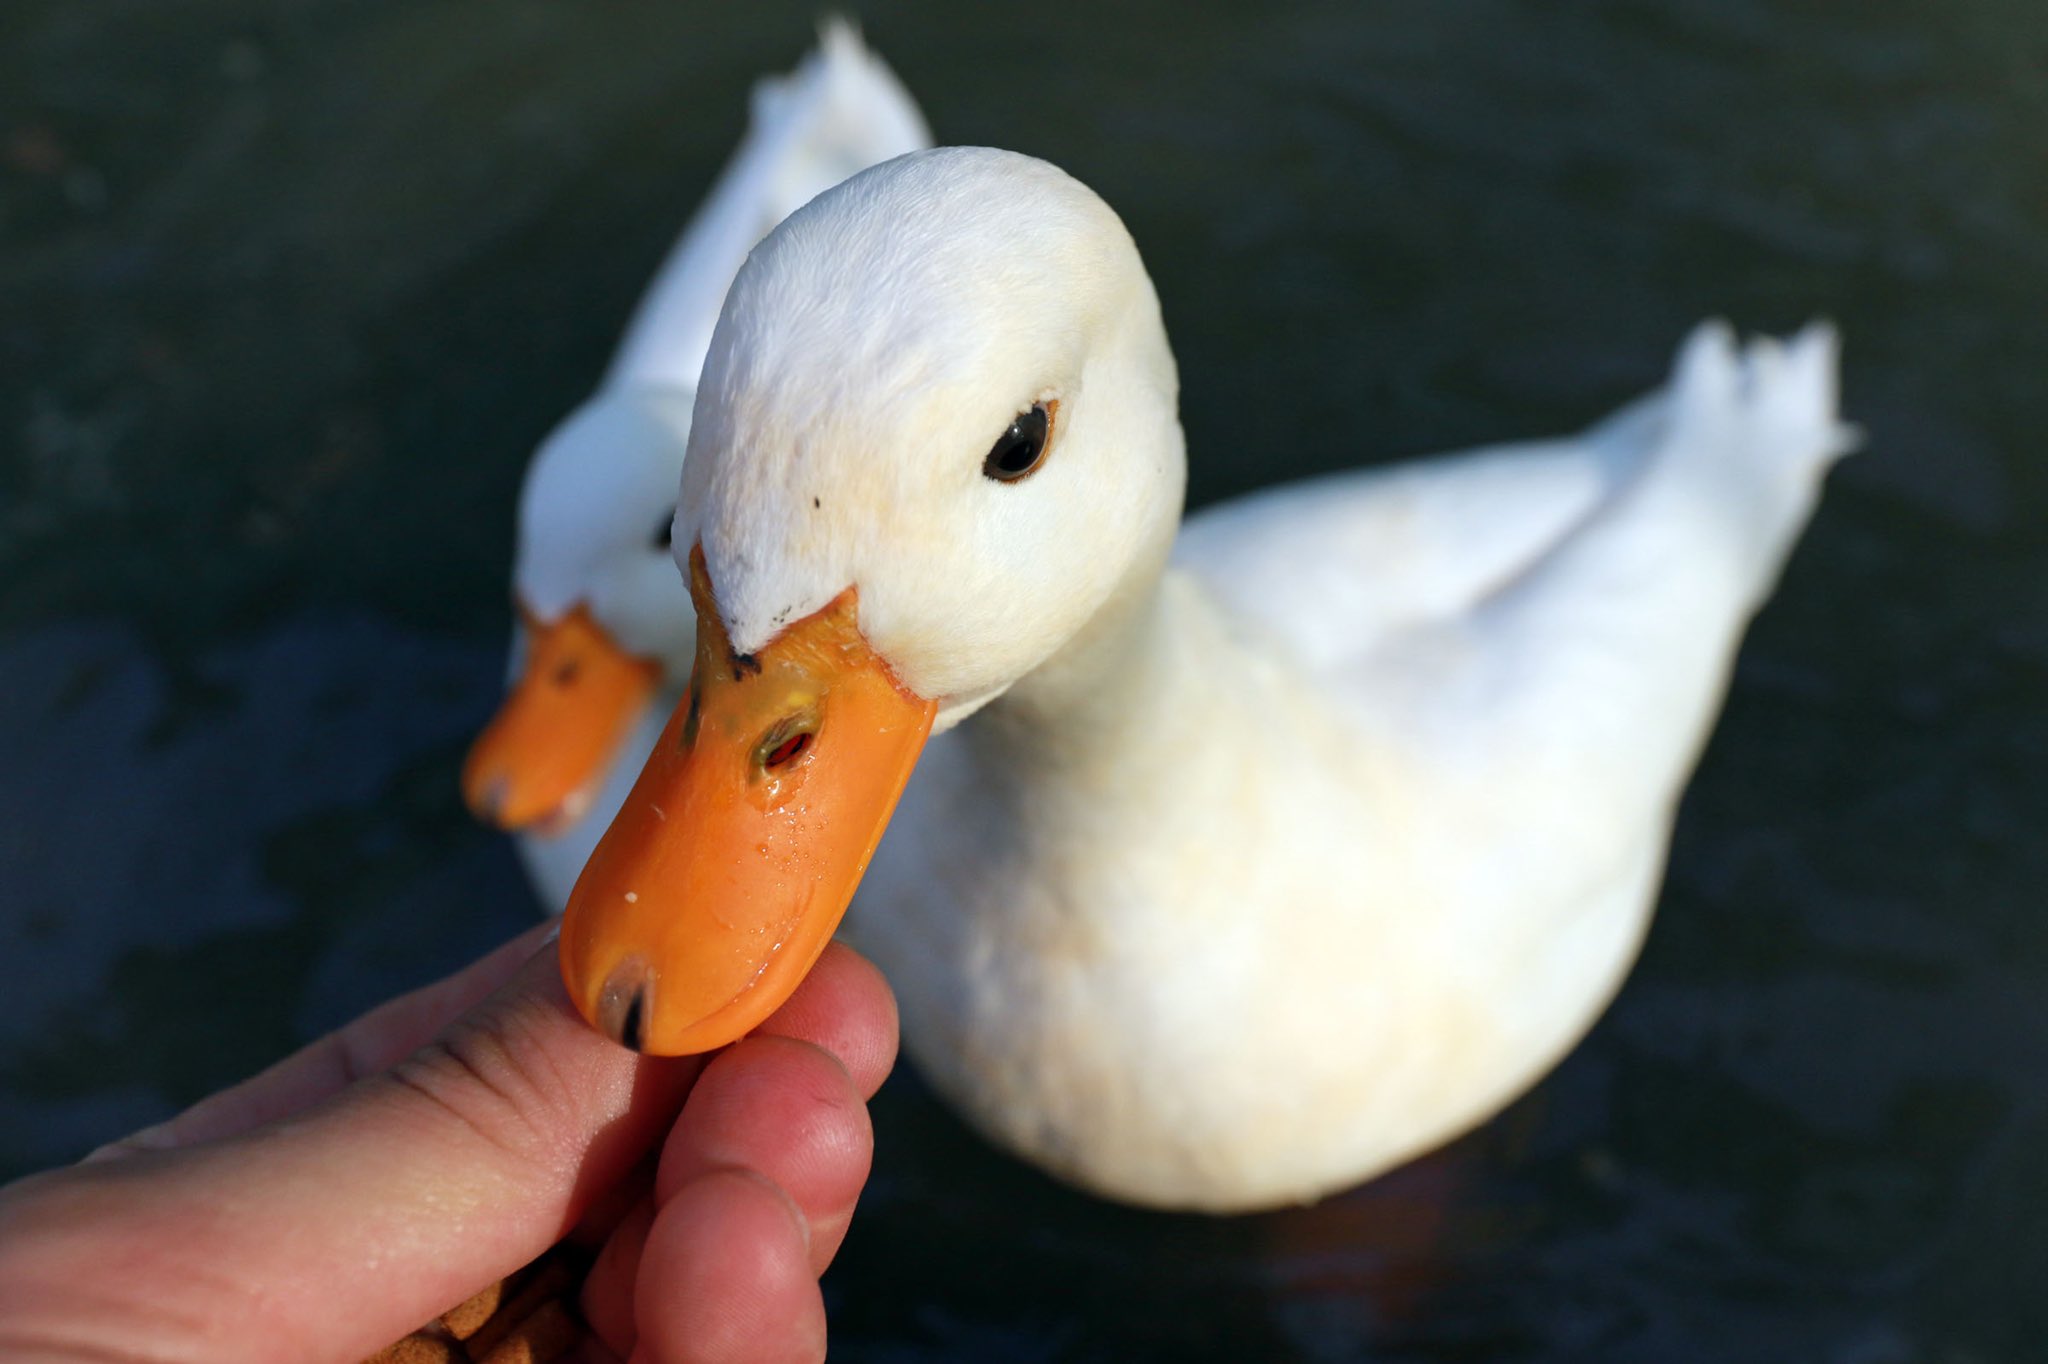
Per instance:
(1335,564)
(1568,606)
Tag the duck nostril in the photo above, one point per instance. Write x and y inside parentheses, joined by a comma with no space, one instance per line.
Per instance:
(788,749)
(787,741)
(566,671)
(624,1003)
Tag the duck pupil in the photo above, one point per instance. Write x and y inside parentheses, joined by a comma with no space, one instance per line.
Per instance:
(1016,452)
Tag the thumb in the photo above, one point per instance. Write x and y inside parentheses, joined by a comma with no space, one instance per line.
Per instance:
(327,1234)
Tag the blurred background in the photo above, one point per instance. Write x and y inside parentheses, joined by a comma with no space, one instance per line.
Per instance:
(288,292)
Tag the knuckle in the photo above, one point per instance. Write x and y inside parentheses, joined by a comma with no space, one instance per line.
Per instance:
(495,1080)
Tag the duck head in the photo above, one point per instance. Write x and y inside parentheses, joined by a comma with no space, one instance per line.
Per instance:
(935,439)
(603,619)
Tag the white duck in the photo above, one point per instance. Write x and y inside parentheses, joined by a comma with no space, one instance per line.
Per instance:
(604,639)
(1268,858)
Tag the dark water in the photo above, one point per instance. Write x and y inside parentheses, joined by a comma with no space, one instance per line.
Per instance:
(288,291)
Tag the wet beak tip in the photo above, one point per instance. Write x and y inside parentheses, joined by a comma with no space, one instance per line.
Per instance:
(624,1003)
(632,1028)
(490,799)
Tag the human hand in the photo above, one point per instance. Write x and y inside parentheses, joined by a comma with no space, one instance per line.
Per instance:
(360,1187)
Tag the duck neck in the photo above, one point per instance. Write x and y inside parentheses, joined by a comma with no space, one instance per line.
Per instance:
(1092,691)
(1087,693)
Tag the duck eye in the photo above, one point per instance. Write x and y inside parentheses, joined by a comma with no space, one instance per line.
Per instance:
(665,533)
(1021,449)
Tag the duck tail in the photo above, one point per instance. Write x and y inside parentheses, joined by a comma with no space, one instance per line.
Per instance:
(1643,605)
(1753,429)
(1783,388)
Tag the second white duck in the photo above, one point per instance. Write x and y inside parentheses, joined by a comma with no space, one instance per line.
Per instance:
(603,645)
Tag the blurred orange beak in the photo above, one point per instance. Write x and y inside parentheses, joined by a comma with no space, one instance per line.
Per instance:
(740,847)
(545,753)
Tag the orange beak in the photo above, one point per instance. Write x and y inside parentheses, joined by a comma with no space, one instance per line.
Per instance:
(544,754)
(737,852)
